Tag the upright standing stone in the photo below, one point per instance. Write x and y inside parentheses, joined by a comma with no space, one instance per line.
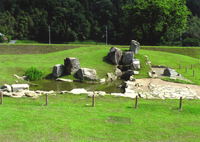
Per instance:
(128,57)
(114,55)
(58,70)
(71,65)
(134,46)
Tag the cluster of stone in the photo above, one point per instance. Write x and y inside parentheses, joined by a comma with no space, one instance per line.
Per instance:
(158,92)
(72,65)
(126,64)
(21,90)
(169,92)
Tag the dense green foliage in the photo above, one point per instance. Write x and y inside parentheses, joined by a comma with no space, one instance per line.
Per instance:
(152,19)
(151,22)
(33,73)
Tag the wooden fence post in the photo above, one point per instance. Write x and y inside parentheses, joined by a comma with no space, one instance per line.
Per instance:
(191,67)
(93,100)
(136,102)
(186,69)
(46,99)
(193,73)
(180,106)
(180,66)
(1,97)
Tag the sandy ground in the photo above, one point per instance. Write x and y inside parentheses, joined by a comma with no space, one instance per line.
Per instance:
(145,82)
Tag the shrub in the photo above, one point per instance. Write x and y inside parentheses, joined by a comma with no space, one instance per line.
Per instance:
(33,73)
(190,42)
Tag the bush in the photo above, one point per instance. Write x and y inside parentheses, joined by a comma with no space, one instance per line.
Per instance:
(191,42)
(33,73)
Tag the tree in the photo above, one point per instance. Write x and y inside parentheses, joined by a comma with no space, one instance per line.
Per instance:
(148,20)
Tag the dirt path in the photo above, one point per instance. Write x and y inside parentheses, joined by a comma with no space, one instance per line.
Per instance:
(145,82)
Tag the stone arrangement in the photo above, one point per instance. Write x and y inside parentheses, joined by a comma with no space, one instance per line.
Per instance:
(158,92)
(21,90)
(72,65)
(135,46)
(126,68)
(126,64)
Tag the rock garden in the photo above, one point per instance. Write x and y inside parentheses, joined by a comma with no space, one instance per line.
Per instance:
(127,68)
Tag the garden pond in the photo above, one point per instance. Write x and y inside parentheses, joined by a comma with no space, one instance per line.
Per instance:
(49,84)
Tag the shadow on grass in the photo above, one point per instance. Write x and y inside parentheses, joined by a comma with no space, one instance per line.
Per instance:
(106,60)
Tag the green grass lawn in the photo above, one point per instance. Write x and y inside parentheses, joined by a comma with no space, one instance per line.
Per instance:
(174,60)
(71,118)
(17,58)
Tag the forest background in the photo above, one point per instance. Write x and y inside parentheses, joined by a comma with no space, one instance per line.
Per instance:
(151,22)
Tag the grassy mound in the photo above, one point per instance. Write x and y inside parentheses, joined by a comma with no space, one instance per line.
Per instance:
(93,57)
(15,59)
(188,51)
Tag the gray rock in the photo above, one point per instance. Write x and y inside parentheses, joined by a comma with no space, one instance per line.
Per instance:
(6,87)
(128,57)
(7,94)
(102,93)
(58,70)
(20,94)
(114,55)
(103,80)
(78,91)
(94,94)
(64,92)
(16,87)
(134,46)
(135,64)
(170,72)
(126,74)
(111,77)
(71,65)
(118,72)
(89,74)
(30,93)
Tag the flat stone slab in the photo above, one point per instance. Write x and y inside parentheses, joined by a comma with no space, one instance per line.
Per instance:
(78,91)
(16,87)
(65,80)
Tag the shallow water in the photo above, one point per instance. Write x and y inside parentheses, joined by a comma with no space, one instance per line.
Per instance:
(49,84)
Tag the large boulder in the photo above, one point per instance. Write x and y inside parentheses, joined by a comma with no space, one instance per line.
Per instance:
(89,74)
(58,70)
(17,87)
(118,72)
(114,55)
(71,65)
(6,87)
(135,65)
(170,72)
(128,57)
(134,46)
(126,74)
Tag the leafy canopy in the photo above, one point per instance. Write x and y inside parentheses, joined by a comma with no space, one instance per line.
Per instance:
(148,20)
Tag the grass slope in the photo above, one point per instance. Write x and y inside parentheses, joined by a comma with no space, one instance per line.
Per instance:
(71,118)
(174,60)
(188,51)
(17,58)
